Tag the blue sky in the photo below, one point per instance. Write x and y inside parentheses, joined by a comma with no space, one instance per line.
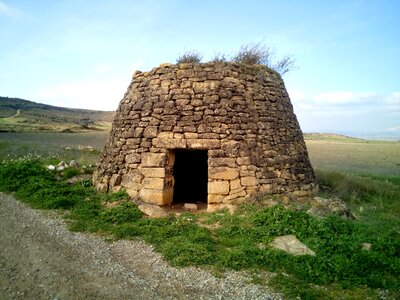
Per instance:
(83,53)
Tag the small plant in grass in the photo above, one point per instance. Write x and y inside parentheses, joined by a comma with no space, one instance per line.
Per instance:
(70,172)
(191,56)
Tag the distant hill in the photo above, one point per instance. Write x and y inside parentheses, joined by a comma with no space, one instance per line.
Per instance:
(331,137)
(19,115)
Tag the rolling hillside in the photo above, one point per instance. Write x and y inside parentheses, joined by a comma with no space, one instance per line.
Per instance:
(19,115)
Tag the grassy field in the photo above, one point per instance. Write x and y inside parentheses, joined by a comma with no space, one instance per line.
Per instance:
(355,156)
(64,145)
(364,174)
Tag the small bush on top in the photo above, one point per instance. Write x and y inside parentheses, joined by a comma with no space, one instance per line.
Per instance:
(260,54)
(191,56)
(250,54)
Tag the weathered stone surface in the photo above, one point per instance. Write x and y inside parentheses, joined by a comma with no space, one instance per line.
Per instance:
(241,115)
(132,193)
(131,180)
(153,196)
(153,159)
(203,144)
(235,184)
(153,211)
(218,187)
(290,244)
(223,173)
(322,207)
(102,187)
(222,162)
(249,181)
(153,183)
(190,206)
(213,198)
(169,143)
(243,161)
(153,172)
(150,132)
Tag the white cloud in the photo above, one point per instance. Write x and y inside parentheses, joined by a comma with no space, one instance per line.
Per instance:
(101,94)
(8,10)
(344,98)
(395,128)
(393,98)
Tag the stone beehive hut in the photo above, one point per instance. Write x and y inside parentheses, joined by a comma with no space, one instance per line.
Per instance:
(214,133)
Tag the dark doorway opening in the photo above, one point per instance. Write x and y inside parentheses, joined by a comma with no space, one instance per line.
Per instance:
(191,176)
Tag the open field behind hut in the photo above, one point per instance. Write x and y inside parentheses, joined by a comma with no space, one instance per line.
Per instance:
(341,154)
(365,174)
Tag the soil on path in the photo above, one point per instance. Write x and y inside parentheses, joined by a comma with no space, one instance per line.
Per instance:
(41,259)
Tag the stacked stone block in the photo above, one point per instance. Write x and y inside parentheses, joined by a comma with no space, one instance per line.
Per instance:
(240,114)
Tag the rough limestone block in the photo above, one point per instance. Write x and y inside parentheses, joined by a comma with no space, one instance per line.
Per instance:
(290,244)
(153,172)
(153,211)
(115,180)
(249,181)
(153,196)
(213,199)
(153,183)
(218,187)
(153,159)
(169,143)
(230,197)
(301,193)
(133,158)
(203,144)
(190,206)
(243,161)
(223,173)
(222,162)
(165,135)
(235,184)
(132,193)
(102,187)
(191,135)
(150,132)
(131,180)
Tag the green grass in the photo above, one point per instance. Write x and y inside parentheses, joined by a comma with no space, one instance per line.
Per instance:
(355,156)
(221,241)
(61,146)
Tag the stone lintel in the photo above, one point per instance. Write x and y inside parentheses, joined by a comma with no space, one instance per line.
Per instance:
(203,144)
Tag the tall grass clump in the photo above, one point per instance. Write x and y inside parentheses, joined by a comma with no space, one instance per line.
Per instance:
(354,188)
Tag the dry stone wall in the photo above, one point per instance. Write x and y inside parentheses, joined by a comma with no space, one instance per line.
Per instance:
(240,114)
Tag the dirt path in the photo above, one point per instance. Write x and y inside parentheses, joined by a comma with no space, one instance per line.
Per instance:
(41,259)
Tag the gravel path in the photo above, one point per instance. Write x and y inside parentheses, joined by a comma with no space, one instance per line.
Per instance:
(41,259)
